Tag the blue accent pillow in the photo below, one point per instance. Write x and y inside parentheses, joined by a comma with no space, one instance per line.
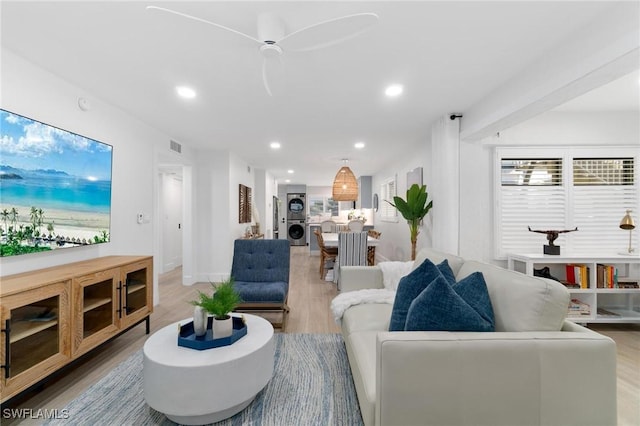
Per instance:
(412,285)
(473,290)
(447,272)
(464,306)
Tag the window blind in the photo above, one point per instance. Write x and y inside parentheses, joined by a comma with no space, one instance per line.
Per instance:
(603,189)
(388,213)
(576,186)
(531,194)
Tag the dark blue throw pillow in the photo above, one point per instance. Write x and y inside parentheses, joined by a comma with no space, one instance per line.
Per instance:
(473,290)
(464,306)
(446,271)
(412,285)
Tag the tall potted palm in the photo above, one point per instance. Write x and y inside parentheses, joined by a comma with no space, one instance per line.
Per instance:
(413,209)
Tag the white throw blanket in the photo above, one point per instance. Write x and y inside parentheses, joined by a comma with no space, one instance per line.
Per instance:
(343,301)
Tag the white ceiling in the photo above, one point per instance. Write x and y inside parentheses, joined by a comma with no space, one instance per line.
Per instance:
(448,56)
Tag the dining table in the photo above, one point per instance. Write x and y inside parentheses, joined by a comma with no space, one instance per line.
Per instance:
(331,240)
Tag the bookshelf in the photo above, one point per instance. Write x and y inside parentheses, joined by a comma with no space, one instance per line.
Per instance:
(597,299)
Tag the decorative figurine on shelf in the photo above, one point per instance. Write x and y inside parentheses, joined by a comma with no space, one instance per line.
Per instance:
(551,237)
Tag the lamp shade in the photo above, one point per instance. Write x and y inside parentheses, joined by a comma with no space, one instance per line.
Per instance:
(345,185)
(627,221)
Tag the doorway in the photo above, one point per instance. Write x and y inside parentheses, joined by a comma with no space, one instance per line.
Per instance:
(171,202)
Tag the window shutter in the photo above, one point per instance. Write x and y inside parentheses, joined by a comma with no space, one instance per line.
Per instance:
(603,189)
(562,189)
(388,213)
(530,194)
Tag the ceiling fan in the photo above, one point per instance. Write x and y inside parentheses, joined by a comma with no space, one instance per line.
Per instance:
(273,40)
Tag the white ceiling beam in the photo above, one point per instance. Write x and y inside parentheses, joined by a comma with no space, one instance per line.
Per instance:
(602,52)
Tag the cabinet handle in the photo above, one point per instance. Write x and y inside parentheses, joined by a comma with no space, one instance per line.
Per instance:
(119,299)
(126,295)
(7,348)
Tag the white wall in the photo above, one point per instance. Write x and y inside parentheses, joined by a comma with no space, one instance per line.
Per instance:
(395,243)
(266,188)
(576,128)
(35,93)
(210,214)
(271,190)
(551,129)
(240,172)
(259,194)
(218,175)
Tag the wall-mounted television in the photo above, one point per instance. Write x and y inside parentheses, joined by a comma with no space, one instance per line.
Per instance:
(55,187)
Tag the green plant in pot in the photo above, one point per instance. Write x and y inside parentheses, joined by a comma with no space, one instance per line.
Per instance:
(413,209)
(223,301)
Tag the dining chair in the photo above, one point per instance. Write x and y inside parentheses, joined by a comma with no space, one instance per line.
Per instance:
(328,226)
(371,250)
(374,234)
(356,225)
(326,253)
(352,251)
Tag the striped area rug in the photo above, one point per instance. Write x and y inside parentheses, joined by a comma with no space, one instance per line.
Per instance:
(311,385)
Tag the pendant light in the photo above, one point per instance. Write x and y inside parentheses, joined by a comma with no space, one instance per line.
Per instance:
(345,185)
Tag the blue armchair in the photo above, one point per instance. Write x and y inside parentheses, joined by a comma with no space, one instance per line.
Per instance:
(260,271)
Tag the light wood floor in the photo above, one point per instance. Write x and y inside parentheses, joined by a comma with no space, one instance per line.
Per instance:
(309,300)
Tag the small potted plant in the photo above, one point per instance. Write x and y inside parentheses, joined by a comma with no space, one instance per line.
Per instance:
(224,299)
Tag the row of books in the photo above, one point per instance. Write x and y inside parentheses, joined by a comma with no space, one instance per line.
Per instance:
(607,276)
(579,276)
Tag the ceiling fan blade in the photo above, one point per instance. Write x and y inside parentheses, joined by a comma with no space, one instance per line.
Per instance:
(273,74)
(328,33)
(204,21)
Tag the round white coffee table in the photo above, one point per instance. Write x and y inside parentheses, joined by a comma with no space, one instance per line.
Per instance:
(194,387)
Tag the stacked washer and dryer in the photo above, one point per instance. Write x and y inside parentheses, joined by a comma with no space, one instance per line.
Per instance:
(296,216)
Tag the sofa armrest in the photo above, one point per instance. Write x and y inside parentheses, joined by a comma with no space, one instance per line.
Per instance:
(508,378)
(360,277)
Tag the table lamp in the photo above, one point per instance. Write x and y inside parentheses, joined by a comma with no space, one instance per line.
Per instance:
(627,224)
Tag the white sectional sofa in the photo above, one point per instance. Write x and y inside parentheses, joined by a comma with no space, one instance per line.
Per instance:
(535,369)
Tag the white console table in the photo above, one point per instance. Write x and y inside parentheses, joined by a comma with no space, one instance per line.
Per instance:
(607,305)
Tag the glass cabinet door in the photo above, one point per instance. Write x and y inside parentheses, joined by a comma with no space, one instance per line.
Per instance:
(94,308)
(136,291)
(136,284)
(34,325)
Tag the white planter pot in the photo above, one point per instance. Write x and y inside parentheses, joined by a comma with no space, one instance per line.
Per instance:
(222,328)
(199,321)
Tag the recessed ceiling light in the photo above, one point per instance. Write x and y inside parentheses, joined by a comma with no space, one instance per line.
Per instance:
(287,180)
(290,171)
(186,92)
(393,90)
(359,145)
(274,145)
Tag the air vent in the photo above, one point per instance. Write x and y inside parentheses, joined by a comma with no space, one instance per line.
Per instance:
(175,146)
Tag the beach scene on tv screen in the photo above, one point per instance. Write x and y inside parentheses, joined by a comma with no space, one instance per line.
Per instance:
(55,187)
